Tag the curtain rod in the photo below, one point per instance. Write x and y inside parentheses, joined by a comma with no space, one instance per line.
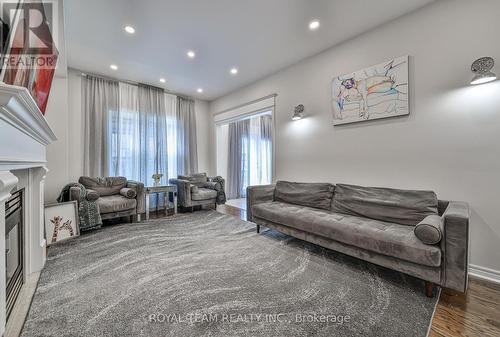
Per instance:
(105,77)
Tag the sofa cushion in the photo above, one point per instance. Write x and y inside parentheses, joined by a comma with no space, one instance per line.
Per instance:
(430,230)
(405,207)
(128,192)
(197,179)
(115,203)
(204,194)
(316,195)
(384,238)
(104,185)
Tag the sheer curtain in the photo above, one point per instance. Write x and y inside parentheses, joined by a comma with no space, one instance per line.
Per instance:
(138,134)
(250,154)
(143,135)
(259,152)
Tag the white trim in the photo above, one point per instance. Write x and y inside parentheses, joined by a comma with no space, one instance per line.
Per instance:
(245,110)
(484,273)
(252,114)
(251,102)
(10,164)
(19,109)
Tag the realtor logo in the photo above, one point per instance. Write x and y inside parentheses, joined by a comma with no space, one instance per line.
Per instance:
(29,27)
(29,46)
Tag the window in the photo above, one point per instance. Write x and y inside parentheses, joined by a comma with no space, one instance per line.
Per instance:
(142,135)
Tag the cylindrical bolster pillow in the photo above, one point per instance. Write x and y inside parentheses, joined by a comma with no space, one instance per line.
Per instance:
(92,195)
(128,192)
(430,230)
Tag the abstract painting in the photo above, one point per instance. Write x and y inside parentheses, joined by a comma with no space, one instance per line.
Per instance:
(379,91)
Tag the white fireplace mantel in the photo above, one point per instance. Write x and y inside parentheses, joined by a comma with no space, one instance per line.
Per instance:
(24,136)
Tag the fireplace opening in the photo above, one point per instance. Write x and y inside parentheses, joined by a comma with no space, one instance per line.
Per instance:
(14,247)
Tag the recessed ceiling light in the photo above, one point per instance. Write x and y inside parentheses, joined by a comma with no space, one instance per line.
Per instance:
(234,71)
(162,80)
(200,90)
(314,25)
(114,67)
(191,54)
(130,29)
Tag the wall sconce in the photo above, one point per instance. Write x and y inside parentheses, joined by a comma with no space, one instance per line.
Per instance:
(298,113)
(482,70)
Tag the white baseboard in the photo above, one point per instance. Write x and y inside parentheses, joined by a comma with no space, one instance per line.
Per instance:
(484,273)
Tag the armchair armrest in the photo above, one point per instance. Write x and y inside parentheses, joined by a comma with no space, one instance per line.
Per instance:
(92,195)
(183,191)
(455,246)
(210,184)
(74,194)
(218,179)
(139,190)
(258,195)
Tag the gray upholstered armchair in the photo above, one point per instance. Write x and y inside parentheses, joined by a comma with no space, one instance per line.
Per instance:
(199,190)
(115,196)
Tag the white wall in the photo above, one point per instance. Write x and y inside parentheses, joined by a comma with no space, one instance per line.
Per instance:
(57,117)
(449,143)
(203,123)
(75,125)
(222,149)
(65,156)
(57,152)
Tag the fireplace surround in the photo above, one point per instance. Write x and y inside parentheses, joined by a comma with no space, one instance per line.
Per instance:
(24,135)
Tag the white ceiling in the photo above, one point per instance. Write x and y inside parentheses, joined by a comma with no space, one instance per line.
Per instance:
(260,37)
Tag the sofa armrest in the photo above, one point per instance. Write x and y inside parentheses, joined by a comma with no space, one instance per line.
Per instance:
(183,191)
(455,246)
(139,190)
(258,195)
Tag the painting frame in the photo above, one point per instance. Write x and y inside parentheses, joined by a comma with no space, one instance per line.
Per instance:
(51,212)
(379,91)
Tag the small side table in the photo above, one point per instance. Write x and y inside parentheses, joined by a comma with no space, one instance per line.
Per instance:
(168,190)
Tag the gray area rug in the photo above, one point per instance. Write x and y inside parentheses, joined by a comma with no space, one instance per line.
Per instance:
(209,274)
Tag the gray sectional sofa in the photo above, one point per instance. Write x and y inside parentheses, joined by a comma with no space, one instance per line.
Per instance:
(409,231)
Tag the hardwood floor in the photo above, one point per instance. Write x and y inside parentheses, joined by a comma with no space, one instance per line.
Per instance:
(475,314)
(231,210)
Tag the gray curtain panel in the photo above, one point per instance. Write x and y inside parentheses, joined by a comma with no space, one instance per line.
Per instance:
(266,127)
(235,176)
(99,97)
(187,152)
(152,132)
